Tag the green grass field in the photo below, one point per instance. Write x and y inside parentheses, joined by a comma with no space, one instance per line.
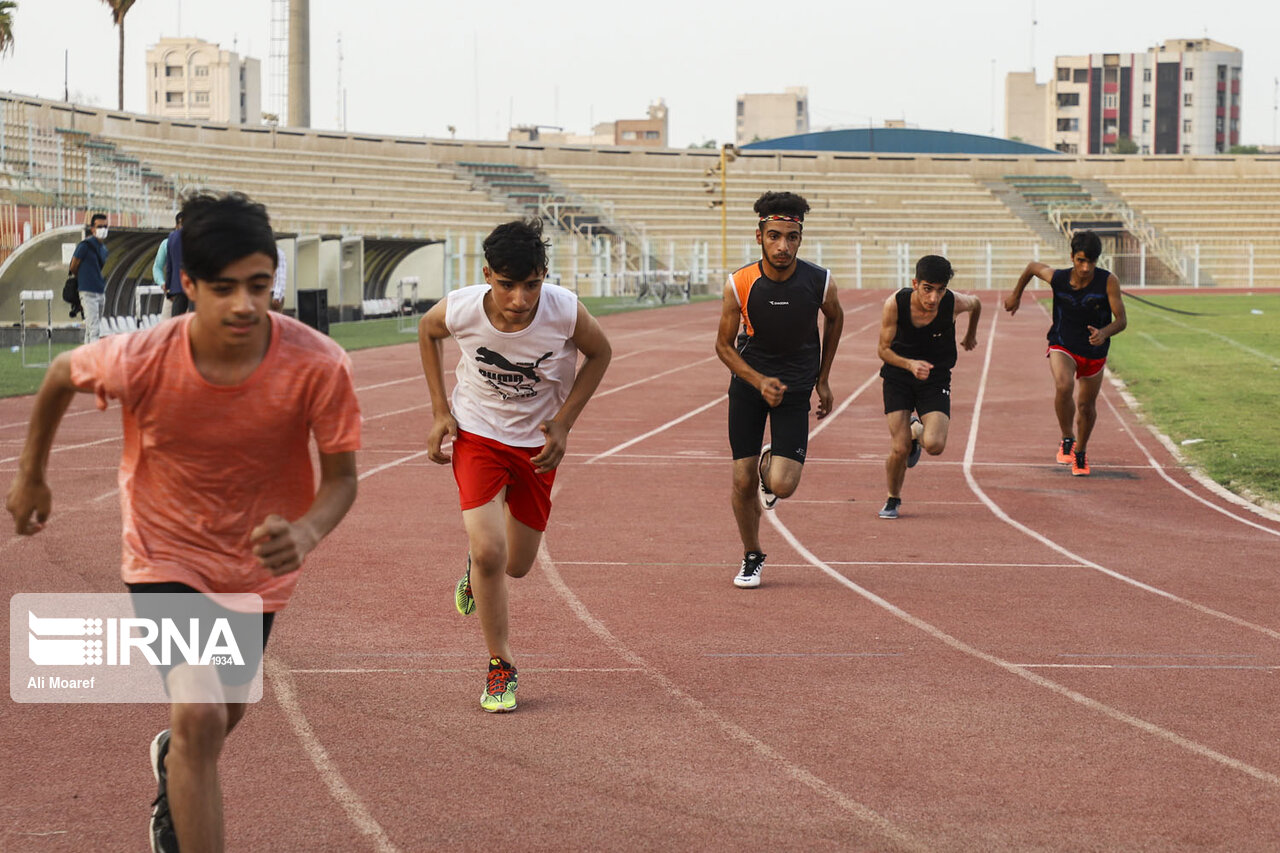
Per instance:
(1211,381)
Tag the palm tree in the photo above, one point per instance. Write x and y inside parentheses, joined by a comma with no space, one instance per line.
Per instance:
(6,25)
(119,8)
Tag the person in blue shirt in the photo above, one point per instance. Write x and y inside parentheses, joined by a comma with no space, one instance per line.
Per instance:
(167,272)
(86,265)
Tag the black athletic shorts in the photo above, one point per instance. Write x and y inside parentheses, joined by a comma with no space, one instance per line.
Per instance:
(788,422)
(230,675)
(911,394)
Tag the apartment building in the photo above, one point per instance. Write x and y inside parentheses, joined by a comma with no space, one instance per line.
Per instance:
(193,79)
(1179,97)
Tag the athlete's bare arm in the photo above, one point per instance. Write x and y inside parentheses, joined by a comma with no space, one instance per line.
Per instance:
(770,388)
(832,328)
(918,368)
(29,494)
(973,305)
(1118,318)
(281,545)
(1035,269)
(431,334)
(590,340)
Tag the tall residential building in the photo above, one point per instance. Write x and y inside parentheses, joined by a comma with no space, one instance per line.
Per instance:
(193,79)
(1181,97)
(769,116)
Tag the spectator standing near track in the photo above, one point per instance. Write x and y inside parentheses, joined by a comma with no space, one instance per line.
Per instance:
(776,364)
(918,348)
(518,395)
(1087,312)
(166,271)
(86,265)
(216,481)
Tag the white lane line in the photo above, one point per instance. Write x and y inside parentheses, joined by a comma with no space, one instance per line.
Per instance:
(472,669)
(734,732)
(1267,357)
(832,562)
(389,383)
(67,447)
(1217,489)
(1152,340)
(721,398)
(392,464)
(654,376)
(1024,672)
(1049,543)
(1224,666)
(367,418)
(357,812)
(92,411)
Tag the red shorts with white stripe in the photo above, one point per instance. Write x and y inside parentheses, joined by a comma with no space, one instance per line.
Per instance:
(1085,367)
(482,467)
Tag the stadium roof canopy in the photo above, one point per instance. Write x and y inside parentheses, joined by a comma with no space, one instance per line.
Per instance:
(896,140)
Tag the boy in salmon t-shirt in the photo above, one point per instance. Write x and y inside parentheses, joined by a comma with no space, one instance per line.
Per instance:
(216,482)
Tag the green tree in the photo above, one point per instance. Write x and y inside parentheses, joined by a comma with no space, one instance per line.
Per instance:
(120,8)
(1244,149)
(1125,145)
(6,25)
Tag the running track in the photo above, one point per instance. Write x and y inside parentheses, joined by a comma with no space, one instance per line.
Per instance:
(1023,661)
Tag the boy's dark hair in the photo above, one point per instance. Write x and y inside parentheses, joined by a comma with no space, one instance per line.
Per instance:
(516,249)
(95,217)
(218,230)
(1087,242)
(781,204)
(934,269)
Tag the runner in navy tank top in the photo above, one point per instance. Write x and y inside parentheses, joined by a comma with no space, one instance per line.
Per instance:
(776,364)
(1087,312)
(918,348)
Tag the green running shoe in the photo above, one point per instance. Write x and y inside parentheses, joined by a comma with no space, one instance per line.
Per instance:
(500,692)
(462,597)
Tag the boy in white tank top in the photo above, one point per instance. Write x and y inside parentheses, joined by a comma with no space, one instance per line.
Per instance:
(518,395)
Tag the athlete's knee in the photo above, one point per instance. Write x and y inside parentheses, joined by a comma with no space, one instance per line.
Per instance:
(488,558)
(198,729)
(934,446)
(520,569)
(745,480)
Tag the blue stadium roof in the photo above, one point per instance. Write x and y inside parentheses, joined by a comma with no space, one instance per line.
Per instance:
(897,140)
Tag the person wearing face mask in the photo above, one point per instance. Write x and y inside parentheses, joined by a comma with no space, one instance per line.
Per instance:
(86,265)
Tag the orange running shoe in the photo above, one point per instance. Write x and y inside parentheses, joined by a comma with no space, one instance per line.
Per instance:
(1064,451)
(1079,465)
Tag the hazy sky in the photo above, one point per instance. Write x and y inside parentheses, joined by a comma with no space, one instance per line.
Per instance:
(414,67)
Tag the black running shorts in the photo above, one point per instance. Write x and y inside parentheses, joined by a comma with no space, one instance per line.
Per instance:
(906,394)
(236,676)
(788,422)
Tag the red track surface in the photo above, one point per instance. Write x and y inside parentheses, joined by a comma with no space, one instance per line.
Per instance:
(1024,660)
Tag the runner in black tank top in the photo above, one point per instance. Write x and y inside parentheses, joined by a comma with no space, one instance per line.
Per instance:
(1087,312)
(781,360)
(918,347)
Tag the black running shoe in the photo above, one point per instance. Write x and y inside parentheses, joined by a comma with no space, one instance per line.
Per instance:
(914,456)
(163,837)
(891,508)
(749,575)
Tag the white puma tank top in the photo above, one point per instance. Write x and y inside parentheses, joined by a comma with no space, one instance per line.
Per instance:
(510,382)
